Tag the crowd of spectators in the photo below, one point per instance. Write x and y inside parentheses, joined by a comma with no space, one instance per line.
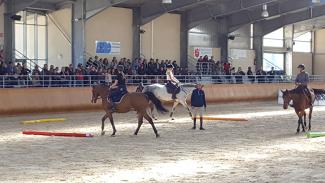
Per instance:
(208,66)
(102,70)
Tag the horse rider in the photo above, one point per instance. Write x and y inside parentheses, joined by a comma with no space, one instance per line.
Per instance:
(172,82)
(302,81)
(119,85)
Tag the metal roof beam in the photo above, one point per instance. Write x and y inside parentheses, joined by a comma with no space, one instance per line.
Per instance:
(220,9)
(154,9)
(242,18)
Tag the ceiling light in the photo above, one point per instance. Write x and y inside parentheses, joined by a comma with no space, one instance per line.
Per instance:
(265,13)
(167,1)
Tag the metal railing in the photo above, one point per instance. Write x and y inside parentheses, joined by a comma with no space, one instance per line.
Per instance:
(20,81)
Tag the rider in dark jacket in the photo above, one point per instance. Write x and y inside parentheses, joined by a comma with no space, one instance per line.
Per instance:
(119,86)
(302,81)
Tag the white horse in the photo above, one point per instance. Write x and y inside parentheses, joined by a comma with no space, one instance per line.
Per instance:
(160,91)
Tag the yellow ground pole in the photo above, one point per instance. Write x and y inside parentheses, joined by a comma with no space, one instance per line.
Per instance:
(44,121)
(222,119)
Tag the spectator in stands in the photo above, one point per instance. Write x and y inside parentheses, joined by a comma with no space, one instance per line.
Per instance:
(11,69)
(105,63)
(96,62)
(200,59)
(271,75)
(239,76)
(89,62)
(250,74)
(36,71)
(71,70)
(174,63)
(3,68)
(142,70)
(260,76)
(79,77)
(226,67)
(151,67)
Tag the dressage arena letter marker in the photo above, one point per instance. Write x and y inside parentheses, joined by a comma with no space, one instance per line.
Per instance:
(222,119)
(43,121)
(88,135)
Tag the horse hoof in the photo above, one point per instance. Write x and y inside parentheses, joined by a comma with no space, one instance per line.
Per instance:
(103,133)
(113,135)
(297,132)
(135,134)
(157,135)
(155,119)
(173,119)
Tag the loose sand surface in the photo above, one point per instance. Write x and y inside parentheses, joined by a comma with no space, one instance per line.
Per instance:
(263,149)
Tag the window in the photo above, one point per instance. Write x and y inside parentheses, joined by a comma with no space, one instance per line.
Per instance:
(274,39)
(30,37)
(275,60)
(302,42)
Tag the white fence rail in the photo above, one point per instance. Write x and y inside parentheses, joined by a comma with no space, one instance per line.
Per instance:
(18,81)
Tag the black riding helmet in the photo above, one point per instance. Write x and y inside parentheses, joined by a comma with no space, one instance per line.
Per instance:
(301,66)
(170,66)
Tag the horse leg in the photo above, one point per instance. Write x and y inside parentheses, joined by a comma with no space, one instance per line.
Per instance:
(302,124)
(140,121)
(152,108)
(103,123)
(173,109)
(305,123)
(148,118)
(110,116)
(298,129)
(309,116)
(184,103)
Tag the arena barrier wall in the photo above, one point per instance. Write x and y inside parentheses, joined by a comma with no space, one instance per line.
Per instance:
(38,100)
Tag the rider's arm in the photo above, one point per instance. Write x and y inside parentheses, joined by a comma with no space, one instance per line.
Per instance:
(172,77)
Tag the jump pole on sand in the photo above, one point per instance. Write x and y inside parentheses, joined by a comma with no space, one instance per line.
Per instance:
(315,134)
(43,121)
(58,134)
(223,119)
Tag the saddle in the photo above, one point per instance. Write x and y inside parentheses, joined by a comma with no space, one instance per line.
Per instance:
(172,89)
(117,94)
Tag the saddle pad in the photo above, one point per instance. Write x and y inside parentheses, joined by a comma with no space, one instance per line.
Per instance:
(170,88)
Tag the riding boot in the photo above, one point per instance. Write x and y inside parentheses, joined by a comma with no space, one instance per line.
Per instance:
(194,123)
(201,123)
(113,109)
(174,95)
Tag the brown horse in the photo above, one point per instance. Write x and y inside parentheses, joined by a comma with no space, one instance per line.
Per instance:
(138,102)
(301,102)
(152,106)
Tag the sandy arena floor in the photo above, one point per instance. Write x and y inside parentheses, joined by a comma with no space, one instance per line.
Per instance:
(264,149)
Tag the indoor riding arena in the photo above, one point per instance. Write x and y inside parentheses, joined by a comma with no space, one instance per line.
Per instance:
(227,91)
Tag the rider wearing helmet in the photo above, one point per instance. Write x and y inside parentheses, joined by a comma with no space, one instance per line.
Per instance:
(119,85)
(172,82)
(302,81)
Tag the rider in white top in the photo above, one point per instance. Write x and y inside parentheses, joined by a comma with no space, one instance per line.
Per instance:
(172,82)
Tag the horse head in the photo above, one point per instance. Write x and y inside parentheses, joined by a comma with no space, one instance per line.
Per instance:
(140,88)
(99,91)
(286,98)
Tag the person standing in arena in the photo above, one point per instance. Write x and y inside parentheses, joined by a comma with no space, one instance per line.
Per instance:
(198,104)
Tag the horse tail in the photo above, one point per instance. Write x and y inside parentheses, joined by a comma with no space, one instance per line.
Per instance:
(160,108)
(319,93)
